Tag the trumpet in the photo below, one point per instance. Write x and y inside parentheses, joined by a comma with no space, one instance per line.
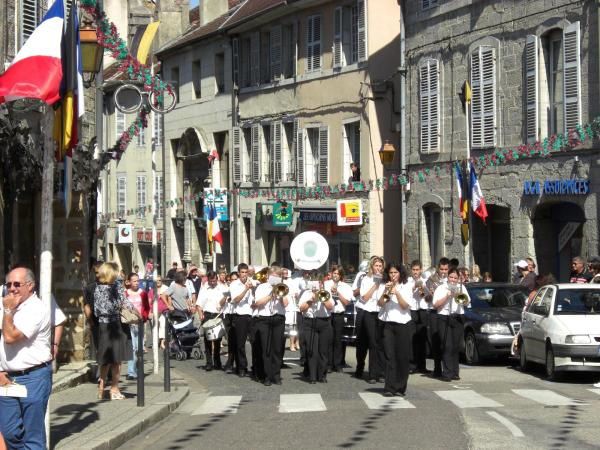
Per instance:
(322,296)
(420,286)
(280,290)
(262,275)
(387,295)
(459,296)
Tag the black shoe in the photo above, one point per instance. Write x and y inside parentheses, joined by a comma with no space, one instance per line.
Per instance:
(312,382)
(267,383)
(456,377)
(323,380)
(371,381)
(388,394)
(379,380)
(208,368)
(425,370)
(446,379)
(357,374)
(277,382)
(229,370)
(243,373)
(130,377)
(400,394)
(435,374)
(412,371)
(339,370)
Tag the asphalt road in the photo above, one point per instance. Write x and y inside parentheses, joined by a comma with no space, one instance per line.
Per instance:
(494,406)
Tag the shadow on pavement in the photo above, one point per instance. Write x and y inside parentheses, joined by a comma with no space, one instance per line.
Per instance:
(82,415)
(367,426)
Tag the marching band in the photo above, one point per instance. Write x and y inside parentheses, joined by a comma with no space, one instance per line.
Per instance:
(401,315)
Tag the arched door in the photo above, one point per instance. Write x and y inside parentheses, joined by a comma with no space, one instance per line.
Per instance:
(492,242)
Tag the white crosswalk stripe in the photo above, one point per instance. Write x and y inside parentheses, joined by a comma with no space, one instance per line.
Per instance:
(293,403)
(545,397)
(378,401)
(468,399)
(221,404)
(595,391)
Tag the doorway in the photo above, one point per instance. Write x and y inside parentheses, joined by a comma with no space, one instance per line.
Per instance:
(492,242)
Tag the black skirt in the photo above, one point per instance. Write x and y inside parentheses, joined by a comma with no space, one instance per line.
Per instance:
(114,344)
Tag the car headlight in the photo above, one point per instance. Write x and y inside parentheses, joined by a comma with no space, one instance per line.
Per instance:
(495,328)
(577,339)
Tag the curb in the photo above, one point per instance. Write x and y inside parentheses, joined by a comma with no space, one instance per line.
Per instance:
(79,376)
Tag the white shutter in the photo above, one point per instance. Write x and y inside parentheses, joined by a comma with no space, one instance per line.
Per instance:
(255,59)
(28,19)
(429,106)
(300,175)
(119,123)
(362,30)
(235,55)
(276,52)
(483,104)
(255,153)
(276,151)
(531,89)
(237,154)
(572,76)
(323,174)
(313,43)
(337,37)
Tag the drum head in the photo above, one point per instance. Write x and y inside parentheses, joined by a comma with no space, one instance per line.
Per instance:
(309,250)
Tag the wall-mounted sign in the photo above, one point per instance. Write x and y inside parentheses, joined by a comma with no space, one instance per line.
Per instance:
(146,236)
(218,197)
(283,214)
(125,233)
(318,216)
(349,213)
(557,187)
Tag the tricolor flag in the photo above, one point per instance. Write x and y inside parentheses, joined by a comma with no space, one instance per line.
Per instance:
(36,71)
(214,230)
(463,202)
(477,200)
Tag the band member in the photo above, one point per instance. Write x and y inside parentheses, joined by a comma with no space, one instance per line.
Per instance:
(450,324)
(420,318)
(434,281)
(361,347)
(269,305)
(316,333)
(292,314)
(395,303)
(341,294)
(258,367)
(371,329)
(242,294)
(228,309)
(208,306)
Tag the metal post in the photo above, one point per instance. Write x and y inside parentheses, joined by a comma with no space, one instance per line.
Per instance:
(140,364)
(154,257)
(167,362)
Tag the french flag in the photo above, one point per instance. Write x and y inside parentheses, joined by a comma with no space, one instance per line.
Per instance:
(477,200)
(36,71)
(214,230)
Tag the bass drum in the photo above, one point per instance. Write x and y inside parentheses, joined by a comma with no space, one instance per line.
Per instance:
(309,250)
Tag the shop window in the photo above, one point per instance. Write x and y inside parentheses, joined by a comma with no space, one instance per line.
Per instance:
(431,234)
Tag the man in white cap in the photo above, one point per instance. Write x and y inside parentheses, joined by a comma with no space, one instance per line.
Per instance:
(527,278)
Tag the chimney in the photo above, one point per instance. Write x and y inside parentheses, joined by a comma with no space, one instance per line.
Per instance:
(174,20)
(211,9)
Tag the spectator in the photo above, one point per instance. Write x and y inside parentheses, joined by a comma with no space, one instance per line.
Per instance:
(139,299)
(195,279)
(161,289)
(595,270)
(526,278)
(487,277)
(476,274)
(354,173)
(579,273)
(531,265)
(178,295)
(172,271)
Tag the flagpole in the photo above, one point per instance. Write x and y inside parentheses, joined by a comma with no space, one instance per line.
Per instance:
(469,247)
(212,242)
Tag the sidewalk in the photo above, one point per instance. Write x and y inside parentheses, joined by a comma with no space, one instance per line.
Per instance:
(79,421)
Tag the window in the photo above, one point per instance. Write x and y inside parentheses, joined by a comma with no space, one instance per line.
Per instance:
(237,165)
(141,138)
(289,50)
(429,93)
(483,101)
(275,52)
(288,167)
(247,154)
(431,234)
(175,82)
(220,72)
(28,19)
(316,156)
(359,32)
(197,78)
(121,195)
(313,43)
(351,142)
(157,128)
(276,152)
(265,155)
(235,56)
(426,4)
(140,188)
(255,153)
(119,123)
(265,57)
(160,197)
(245,62)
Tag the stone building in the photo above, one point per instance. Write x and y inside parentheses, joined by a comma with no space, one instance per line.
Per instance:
(532,68)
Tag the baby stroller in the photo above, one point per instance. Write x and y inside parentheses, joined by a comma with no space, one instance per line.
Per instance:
(185,340)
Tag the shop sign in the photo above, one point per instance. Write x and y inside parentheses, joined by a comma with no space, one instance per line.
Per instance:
(146,236)
(283,214)
(125,233)
(557,187)
(349,213)
(325,216)
(218,198)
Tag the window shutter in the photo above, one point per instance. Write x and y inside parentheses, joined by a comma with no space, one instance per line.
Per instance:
(235,55)
(362,30)
(119,123)
(429,105)
(483,102)
(255,59)
(337,37)
(532,81)
(426,4)
(313,43)
(300,178)
(276,151)
(276,52)
(237,154)
(572,76)
(255,153)
(29,19)
(323,173)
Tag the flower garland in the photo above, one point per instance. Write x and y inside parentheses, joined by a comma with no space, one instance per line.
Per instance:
(108,37)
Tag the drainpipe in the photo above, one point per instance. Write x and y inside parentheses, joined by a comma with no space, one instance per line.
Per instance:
(402,70)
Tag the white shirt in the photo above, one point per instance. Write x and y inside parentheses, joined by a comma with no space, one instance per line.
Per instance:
(371,305)
(316,310)
(292,305)
(451,307)
(356,284)
(344,289)
(209,299)
(392,311)
(273,306)
(242,308)
(58,317)
(229,307)
(31,318)
(418,300)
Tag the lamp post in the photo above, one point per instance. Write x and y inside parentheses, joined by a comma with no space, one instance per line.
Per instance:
(91,51)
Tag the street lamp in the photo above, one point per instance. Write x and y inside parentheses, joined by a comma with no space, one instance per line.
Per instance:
(386,153)
(91,51)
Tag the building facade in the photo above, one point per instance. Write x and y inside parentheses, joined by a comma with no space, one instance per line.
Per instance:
(531,69)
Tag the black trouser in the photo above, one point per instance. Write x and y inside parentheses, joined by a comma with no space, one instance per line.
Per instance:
(396,345)
(231,344)
(373,331)
(270,332)
(435,339)
(361,341)
(258,368)
(212,348)
(336,354)
(241,323)
(420,320)
(452,339)
(316,340)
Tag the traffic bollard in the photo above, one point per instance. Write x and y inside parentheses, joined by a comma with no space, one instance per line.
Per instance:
(140,364)
(167,362)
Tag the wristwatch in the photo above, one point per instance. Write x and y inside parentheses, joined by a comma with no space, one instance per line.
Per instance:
(9,311)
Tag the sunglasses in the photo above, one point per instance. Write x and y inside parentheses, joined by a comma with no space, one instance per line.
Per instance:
(16,284)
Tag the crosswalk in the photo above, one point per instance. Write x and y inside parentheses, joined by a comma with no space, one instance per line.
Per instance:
(460,398)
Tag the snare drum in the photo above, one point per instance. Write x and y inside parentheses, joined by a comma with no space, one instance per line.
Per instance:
(214,329)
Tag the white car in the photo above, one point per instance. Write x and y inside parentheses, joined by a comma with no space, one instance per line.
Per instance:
(561,329)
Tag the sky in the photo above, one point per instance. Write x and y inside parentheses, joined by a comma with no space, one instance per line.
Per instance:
(194,3)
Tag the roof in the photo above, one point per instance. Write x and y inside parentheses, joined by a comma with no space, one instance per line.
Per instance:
(251,8)
(112,73)
(195,34)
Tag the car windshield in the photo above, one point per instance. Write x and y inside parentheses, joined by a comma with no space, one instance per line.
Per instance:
(577,301)
(497,296)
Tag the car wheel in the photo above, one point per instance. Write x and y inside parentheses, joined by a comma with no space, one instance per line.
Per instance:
(471,352)
(524,364)
(551,373)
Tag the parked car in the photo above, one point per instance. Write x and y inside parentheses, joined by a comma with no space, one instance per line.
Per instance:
(561,329)
(492,320)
